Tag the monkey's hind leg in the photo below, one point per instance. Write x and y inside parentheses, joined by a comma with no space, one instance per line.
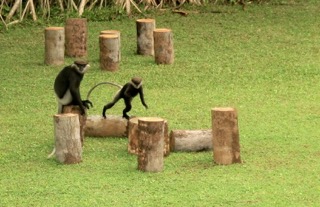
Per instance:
(111,104)
(126,109)
(65,100)
(106,107)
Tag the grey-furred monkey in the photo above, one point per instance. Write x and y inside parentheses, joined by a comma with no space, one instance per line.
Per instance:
(127,93)
(67,86)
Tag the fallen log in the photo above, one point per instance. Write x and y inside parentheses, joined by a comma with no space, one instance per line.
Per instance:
(191,140)
(112,126)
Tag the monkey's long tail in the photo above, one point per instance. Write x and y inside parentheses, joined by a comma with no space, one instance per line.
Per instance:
(102,83)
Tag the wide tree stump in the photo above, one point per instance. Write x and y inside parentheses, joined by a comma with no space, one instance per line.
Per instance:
(82,119)
(191,140)
(163,46)
(109,52)
(67,138)
(112,126)
(145,40)
(133,137)
(114,32)
(151,133)
(225,136)
(54,46)
(76,36)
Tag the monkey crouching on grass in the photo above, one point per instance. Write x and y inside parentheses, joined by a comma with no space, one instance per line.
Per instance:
(127,93)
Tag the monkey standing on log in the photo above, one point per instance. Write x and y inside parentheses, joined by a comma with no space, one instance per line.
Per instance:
(127,93)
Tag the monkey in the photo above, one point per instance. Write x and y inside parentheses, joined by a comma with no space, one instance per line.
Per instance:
(127,93)
(67,86)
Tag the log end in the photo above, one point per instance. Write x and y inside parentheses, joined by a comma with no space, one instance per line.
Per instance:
(115,32)
(145,20)
(54,28)
(108,36)
(160,30)
(65,115)
(223,109)
(151,119)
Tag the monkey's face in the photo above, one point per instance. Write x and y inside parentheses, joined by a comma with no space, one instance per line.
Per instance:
(82,68)
(136,82)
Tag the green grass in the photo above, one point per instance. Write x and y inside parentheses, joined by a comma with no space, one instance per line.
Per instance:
(264,62)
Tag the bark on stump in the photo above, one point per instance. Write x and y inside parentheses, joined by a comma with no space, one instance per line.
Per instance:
(67,138)
(82,119)
(114,32)
(191,140)
(151,132)
(145,45)
(225,136)
(54,46)
(133,137)
(109,52)
(112,126)
(76,35)
(163,46)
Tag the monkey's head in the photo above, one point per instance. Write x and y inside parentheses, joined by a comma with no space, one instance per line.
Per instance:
(136,82)
(81,66)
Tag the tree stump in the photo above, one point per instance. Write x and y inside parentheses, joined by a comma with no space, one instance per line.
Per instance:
(76,37)
(112,126)
(133,137)
(225,136)
(115,32)
(67,138)
(54,46)
(191,140)
(145,40)
(151,133)
(82,119)
(163,46)
(109,52)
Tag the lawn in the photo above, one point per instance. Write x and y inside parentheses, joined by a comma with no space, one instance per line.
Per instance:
(263,61)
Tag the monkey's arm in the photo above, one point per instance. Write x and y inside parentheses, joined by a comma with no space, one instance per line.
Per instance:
(142,98)
(87,103)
